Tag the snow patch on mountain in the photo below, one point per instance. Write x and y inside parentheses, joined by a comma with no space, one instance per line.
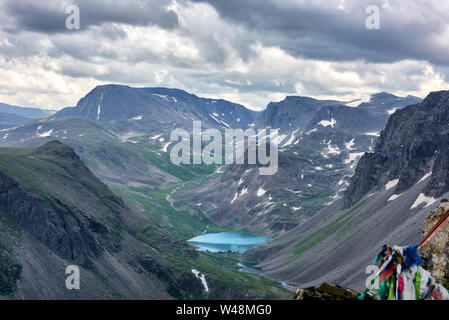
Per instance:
(391,111)
(260,192)
(290,140)
(327,123)
(395,196)
(353,157)
(349,145)
(423,199)
(164,148)
(237,195)
(202,278)
(391,184)
(161,96)
(330,149)
(99,107)
(311,131)
(425,176)
(45,134)
(357,102)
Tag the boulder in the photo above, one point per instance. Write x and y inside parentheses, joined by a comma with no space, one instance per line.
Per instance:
(326,291)
(435,252)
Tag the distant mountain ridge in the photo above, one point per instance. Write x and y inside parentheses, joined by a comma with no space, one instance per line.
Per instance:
(158,108)
(25,111)
(320,142)
(13,116)
(387,103)
(292,113)
(8,120)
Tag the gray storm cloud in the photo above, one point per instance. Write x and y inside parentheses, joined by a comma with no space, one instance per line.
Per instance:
(247,51)
(334,30)
(50,16)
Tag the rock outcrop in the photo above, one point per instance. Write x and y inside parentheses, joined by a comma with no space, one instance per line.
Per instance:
(326,291)
(10,272)
(436,252)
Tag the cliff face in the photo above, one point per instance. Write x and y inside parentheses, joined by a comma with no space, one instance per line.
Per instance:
(69,229)
(413,144)
(69,235)
(436,252)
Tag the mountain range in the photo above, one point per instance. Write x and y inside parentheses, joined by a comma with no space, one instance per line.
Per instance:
(319,148)
(352,176)
(390,195)
(157,109)
(11,116)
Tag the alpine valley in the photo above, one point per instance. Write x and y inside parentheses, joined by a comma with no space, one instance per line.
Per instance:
(92,185)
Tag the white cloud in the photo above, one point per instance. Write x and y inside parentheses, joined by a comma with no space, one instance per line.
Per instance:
(207,55)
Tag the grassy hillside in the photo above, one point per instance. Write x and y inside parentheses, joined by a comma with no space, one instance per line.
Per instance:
(54,212)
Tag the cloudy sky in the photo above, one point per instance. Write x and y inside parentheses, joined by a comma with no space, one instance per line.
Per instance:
(246,51)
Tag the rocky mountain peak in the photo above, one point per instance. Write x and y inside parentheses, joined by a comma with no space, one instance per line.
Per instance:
(413,146)
(157,109)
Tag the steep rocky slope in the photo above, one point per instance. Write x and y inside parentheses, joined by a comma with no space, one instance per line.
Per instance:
(389,198)
(414,143)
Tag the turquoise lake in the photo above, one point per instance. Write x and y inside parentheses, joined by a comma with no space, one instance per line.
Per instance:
(227,241)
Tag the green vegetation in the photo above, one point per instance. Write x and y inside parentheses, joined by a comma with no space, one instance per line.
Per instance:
(221,270)
(10,271)
(339,225)
(55,176)
(184,224)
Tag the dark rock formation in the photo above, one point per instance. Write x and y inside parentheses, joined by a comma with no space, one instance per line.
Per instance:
(414,142)
(326,291)
(292,113)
